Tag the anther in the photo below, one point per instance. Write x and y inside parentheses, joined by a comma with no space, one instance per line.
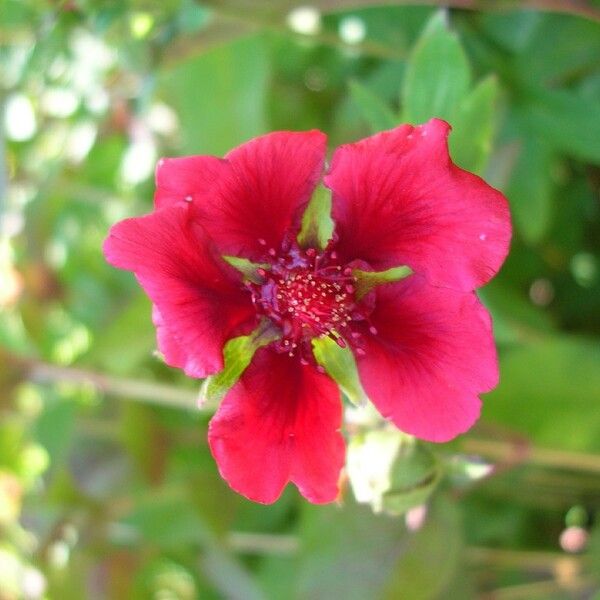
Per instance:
(340,342)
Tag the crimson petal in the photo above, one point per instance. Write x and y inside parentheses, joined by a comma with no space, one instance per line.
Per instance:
(399,200)
(432,355)
(175,354)
(264,193)
(280,423)
(200,301)
(186,179)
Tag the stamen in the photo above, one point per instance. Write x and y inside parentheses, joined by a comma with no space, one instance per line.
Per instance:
(306,294)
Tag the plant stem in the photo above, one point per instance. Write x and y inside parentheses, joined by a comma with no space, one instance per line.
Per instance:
(509,452)
(543,589)
(263,543)
(504,451)
(581,8)
(134,389)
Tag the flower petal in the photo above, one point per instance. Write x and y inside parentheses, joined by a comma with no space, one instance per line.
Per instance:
(200,299)
(186,179)
(175,354)
(399,200)
(267,187)
(432,355)
(280,423)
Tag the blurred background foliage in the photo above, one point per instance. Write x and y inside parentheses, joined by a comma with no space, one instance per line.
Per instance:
(107,488)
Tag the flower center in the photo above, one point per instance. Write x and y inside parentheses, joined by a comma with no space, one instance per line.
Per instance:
(308,294)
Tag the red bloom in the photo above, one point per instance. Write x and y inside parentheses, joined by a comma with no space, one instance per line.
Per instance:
(423,345)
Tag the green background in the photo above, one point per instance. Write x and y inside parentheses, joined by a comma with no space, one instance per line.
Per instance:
(107,487)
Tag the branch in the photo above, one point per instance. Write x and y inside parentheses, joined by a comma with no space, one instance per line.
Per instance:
(135,389)
(580,8)
(507,452)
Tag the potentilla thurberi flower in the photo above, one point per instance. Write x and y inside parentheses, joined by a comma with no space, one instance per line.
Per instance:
(423,344)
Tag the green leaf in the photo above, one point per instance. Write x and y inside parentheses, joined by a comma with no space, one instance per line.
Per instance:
(219,96)
(341,367)
(376,113)
(594,548)
(548,391)
(513,30)
(516,319)
(531,190)
(565,120)
(238,353)
(473,126)
(437,545)
(246,267)
(317,224)
(167,519)
(133,324)
(437,76)
(353,554)
(367,280)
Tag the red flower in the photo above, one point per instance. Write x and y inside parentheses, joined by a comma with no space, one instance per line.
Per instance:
(423,345)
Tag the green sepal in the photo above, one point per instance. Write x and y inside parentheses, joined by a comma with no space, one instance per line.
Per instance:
(317,224)
(415,474)
(238,353)
(367,280)
(403,476)
(341,367)
(246,267)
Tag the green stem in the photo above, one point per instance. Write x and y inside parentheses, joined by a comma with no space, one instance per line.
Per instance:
(543,589)
(581,8)
(263,543)
(134,389)
(509,452)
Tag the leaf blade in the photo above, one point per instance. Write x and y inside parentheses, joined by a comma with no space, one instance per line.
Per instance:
(437,75)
